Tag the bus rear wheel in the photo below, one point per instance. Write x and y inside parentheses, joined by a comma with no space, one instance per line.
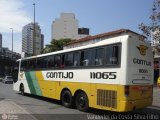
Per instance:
(22,89)
(67,99)
(82,103)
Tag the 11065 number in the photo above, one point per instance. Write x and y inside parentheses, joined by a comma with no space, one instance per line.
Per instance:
(103,75)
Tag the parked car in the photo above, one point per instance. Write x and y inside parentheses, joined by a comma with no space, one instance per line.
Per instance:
(8,79)
(1,78)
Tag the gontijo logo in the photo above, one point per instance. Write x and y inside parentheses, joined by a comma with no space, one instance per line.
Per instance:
(21,75)
(142,49)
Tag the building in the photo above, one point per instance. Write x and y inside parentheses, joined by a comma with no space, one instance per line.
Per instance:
(67,27)
(104,36)
(42,40)
(7,60)
(0,40)
(155,43)
(32,44)
(5,52)
(83,31)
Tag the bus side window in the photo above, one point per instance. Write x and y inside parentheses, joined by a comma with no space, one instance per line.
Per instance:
(50,61)
(44,62)
(69,59)
(23,65)
(76,58)
(112,55)
(62,60)
(41,63)
(99,57)
(31,64)
(84,60)
(57,61)
(87,58)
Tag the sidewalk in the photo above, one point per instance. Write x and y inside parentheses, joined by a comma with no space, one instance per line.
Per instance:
(156,96)
(11,111)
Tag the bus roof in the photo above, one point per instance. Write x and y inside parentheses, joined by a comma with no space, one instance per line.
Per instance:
(103,42)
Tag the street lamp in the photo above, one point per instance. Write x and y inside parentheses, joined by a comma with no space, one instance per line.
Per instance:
(12,42)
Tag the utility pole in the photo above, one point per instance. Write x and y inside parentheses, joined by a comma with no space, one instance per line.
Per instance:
(34,29)
(12,42)
(12,52)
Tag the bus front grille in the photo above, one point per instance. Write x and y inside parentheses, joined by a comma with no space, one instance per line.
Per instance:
(107,98)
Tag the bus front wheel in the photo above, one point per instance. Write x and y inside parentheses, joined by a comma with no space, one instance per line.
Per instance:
(67,99)
(22,89)
(82,103)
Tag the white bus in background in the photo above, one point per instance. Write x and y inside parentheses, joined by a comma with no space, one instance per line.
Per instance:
(114,74)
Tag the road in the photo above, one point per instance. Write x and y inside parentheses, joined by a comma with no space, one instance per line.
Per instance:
(30,107)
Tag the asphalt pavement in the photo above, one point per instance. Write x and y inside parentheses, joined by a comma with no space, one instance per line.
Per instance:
(14,106)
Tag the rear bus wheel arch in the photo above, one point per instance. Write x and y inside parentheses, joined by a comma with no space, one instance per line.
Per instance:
(81,100)
(66,98)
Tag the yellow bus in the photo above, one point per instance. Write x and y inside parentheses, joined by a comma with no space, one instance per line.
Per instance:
(113,74)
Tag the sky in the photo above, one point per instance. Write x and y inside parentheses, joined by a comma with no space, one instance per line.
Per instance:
(99,16)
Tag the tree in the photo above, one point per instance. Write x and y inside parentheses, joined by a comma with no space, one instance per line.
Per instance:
(152,31)
(55,45)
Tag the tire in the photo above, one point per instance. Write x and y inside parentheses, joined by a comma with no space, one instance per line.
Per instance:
(82,103)
(22,89)
(67,99)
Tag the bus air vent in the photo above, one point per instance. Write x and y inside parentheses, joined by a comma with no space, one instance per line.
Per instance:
(107,98)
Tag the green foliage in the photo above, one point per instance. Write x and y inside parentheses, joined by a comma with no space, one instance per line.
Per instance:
(55,45)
